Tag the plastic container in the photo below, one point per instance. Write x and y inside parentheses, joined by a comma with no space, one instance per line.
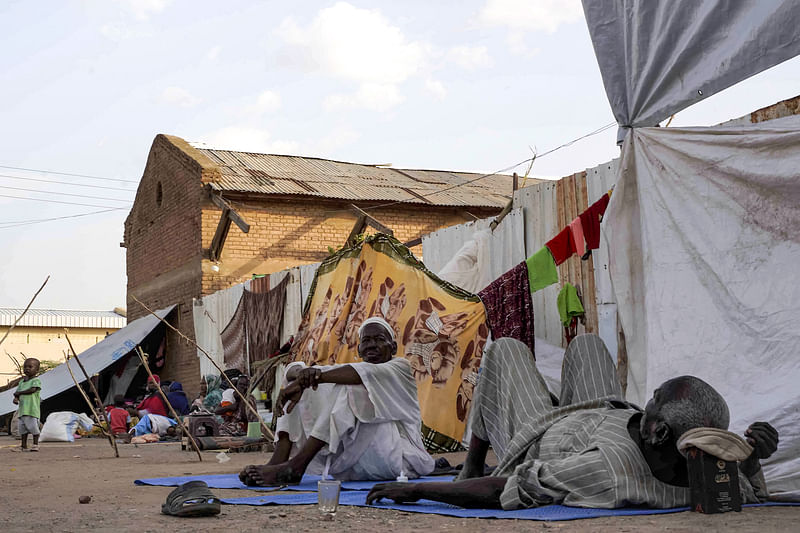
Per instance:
(328,495)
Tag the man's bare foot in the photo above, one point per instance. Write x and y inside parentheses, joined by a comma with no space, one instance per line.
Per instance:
(470,471)
(269,475)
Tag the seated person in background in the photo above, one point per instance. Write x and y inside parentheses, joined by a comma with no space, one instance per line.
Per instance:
(118,418)
(593,449)
(361,419)
(177,399)
(235,415)
(152,403)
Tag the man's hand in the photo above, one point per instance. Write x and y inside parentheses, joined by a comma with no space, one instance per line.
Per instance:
(16,400)
(398,492)
(763,438)
(309,377)
(288,398)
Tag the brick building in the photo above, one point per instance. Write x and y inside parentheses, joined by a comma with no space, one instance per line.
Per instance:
(185,235)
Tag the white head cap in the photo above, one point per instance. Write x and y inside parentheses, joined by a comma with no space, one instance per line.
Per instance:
(376,320)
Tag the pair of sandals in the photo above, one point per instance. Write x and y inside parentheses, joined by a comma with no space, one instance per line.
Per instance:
(192,499)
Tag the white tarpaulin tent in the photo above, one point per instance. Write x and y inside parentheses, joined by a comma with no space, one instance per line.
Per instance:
(658,57)
(94,359)
(704,245)
(702,228)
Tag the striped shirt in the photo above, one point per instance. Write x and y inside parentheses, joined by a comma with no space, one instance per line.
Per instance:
(580,453)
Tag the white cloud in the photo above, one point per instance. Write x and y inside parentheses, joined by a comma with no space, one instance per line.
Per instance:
(436,88)
(213,53)
(536,15)
(142,9)
(523,16)
(340,136)
(353,44)
(268,101)
(469,57)
(371,96)
(116,32)
(179,96)
(246,139)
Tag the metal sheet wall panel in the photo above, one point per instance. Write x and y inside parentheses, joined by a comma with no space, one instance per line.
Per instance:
(539,206)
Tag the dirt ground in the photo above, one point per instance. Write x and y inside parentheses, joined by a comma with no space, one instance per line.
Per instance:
(39,492)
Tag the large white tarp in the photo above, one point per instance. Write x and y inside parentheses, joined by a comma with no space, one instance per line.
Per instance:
(660,56)
(704,252)
(95,359)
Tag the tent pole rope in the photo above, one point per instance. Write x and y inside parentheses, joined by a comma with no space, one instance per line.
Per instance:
(25,311)
(111,439)
(265,430)
(184,429)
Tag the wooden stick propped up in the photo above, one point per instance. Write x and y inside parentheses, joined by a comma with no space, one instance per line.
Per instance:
(97,420)
(264,428)
(25,311)
(177,418)
(94,391)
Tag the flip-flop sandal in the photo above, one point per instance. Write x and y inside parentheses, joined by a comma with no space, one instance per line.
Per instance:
(35,448)
(192,499)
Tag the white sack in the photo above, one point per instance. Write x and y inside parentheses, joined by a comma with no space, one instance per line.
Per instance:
(704,244)
(658,57)
(61,426)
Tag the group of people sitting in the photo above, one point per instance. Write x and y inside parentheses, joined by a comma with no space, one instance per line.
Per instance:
(586,447)
(152,416)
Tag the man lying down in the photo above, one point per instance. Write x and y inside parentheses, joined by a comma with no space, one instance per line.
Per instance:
(362,419)
(593,449)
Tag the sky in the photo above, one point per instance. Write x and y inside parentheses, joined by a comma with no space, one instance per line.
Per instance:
(474,85)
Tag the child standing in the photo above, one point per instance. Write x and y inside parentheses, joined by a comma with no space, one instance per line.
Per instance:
(27,396)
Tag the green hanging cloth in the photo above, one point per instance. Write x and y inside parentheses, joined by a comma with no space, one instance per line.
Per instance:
(569,305)
(541,269)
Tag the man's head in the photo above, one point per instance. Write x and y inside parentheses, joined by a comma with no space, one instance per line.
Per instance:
(681,404)
(376,341)
(119,400)
(153,383)
(30,367)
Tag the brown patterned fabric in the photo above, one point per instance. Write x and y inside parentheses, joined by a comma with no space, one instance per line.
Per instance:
(264,316)
(234,340)
(509,306)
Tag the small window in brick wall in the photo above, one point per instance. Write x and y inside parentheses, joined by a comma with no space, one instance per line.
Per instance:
(159,194)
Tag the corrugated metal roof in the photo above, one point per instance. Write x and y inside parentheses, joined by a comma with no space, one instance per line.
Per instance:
(292,175)
(54,318)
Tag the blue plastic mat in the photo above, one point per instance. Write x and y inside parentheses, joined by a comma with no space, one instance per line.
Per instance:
(231,481)
(546,513)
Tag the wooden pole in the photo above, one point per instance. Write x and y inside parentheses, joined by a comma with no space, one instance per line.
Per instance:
(264,427)
(97,420)
(94,391)
(25,311)
(177,418)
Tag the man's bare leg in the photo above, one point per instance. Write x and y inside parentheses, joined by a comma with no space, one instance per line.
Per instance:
(289,472)
(282,449)
(24,443)
(476,458)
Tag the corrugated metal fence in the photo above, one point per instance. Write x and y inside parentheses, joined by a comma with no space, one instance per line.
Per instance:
(542,210)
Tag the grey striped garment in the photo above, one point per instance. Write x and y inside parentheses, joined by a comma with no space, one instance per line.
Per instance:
(579,453)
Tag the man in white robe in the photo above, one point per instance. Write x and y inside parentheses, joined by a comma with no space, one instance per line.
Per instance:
(360,420)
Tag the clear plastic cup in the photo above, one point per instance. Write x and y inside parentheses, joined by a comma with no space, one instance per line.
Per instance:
(328,495)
